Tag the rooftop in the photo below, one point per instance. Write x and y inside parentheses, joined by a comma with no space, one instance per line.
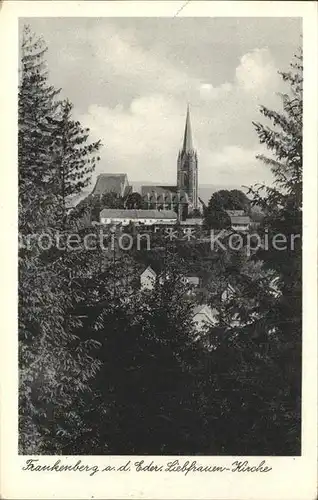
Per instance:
(107,183)
(240,219)
(235,212)
(158,189)
(113,213)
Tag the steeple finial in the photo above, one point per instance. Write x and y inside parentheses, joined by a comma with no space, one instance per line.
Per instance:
(187,140)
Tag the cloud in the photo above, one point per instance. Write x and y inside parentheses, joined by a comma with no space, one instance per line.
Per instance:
(257,73)
(143,68)
(235,155)
(142,132)
(208,92)
(141,140)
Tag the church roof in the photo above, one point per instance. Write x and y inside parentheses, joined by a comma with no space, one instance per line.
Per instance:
(107,183)
(164,194)
(158,189)
(187,139)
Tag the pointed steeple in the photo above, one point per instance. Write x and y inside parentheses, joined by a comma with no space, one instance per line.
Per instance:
(187,140)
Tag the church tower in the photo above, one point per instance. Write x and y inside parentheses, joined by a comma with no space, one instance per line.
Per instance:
(187,176)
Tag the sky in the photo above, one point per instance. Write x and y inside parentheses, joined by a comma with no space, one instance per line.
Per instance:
(130,80)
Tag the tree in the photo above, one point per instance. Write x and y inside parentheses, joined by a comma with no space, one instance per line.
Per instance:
(112,200)
(147,383)
(282,205)
(195,214)
(55,361)
(134,200)
(217,219)
(229,200)
(37,111)
(258,359)
(215,214)
(73,156)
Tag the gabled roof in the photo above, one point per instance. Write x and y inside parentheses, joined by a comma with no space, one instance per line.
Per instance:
(107,183)
(113,213)
(240,219)
(205,310)
(149,269)
(235,212)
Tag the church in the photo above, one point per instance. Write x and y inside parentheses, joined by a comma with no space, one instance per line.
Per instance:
(183,197)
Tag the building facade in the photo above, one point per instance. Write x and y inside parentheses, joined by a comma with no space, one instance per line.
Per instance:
(183,197)
(113,216)
(187,167)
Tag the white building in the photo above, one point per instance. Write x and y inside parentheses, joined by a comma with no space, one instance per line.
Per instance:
(137,217)
(239,220)
(203,317)
(148,279)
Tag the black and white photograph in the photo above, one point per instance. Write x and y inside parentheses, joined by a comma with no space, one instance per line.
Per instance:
(160,236)
(159,250)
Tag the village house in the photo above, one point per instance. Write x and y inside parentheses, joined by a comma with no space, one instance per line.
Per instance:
(203,317)
(239,220)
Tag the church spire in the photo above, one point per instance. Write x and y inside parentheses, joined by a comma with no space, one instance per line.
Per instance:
(187,170)
(187,140)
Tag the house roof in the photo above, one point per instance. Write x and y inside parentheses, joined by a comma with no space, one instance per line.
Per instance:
(149,269)
(192,222)
(109,213)
(235,212)
(107,183)
(239,219)
(206,310)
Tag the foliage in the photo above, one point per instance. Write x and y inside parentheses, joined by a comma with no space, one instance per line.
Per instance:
(37,111)
(216,219)
(55,362)
(149,396)
(73,157)
(90,207)
(134,200)
(229,200)
(261,351)
(215,214)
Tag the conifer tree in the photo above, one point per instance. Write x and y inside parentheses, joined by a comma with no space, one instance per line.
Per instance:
(37,110)
(55,362)
(258,360)
(282,203)
(73,156)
